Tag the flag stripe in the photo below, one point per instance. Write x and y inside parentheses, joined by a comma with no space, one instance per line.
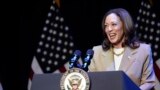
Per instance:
(35,66)
(148,30)
(157,69)
(55,46)
(31,74)
(62,69)
(158,63)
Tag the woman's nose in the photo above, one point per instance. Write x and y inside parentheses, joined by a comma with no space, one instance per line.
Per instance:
(109,28)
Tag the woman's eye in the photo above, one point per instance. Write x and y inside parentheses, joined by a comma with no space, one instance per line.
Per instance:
(114,24)
(105,25)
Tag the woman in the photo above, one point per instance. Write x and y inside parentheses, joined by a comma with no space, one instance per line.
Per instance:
(121,50)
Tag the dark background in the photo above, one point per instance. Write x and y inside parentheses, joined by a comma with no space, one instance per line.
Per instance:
(24,23)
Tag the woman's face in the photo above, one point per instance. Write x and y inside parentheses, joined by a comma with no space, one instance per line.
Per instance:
(114,29)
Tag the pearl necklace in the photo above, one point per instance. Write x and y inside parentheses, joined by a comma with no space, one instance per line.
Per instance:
(118,54)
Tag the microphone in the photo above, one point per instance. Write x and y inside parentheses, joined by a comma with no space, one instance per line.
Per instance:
(87,59)
(74,59)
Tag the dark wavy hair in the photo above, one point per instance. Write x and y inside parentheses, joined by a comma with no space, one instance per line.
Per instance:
(129,30)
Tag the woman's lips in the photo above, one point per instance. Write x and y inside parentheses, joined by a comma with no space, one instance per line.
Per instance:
(112,35)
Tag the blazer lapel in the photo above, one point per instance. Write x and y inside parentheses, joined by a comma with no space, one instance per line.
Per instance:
(127,59)
(108,60)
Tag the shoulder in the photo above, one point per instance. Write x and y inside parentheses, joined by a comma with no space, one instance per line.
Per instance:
(97,48)
(146,48)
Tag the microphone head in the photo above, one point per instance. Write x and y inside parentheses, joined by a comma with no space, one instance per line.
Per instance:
(77,52)
(74,59)
(87,59)
(90,52)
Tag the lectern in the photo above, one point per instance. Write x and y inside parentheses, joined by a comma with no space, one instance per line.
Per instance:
(109,80)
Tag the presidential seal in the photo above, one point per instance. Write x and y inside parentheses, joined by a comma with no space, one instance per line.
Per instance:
(75,79)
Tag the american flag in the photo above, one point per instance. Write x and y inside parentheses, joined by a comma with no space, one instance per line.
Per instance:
(55,46)
(148,30)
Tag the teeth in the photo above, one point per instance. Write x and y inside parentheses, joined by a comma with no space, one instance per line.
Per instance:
(112,35)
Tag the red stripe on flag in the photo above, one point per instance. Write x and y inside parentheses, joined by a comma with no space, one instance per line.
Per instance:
(62,69)
(157,71)
(31,74)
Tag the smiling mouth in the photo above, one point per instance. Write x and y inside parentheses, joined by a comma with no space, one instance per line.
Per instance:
(112,35)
